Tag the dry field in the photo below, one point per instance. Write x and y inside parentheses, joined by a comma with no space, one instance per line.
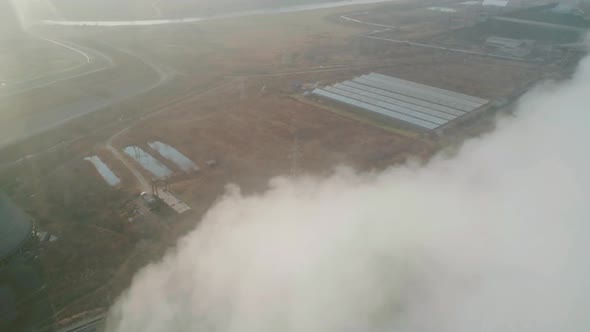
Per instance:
(251,122)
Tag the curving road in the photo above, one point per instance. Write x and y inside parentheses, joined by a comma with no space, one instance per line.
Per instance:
(93,61)
(246,13)
(142,75)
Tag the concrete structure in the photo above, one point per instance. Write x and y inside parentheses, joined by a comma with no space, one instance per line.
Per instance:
(417,105)
(15,228)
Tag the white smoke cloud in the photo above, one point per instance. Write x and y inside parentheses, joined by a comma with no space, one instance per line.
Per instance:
(494,239)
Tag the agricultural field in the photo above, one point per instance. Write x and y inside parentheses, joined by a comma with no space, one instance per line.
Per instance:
(186,109)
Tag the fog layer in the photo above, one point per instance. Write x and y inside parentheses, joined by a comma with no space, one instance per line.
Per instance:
(493,239)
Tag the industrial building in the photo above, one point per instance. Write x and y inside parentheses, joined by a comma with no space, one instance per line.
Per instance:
(420,106)
(15,228)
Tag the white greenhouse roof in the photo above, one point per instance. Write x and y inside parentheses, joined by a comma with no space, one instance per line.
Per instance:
(418,104)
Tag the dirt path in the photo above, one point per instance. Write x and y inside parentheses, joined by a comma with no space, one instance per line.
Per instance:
(409,43)
(144,184)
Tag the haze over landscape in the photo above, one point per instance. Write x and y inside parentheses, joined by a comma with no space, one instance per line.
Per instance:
(294,165)
(490,239)
(147,9)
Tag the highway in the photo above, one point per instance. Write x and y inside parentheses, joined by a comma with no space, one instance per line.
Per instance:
(246,13)
(72,48)
(92,61)
(126,82)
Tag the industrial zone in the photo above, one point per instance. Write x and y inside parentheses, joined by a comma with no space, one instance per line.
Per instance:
(112,157)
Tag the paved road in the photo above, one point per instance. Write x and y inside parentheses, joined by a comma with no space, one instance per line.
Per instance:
(409,43)
(92,61)
(126,84)
(255,12)
(540,24)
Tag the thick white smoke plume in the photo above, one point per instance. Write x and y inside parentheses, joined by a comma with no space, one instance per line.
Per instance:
(494,239)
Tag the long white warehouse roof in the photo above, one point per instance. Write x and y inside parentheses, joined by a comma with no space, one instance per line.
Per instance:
(420,105)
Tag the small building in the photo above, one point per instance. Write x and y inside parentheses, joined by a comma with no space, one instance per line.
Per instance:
(504,42)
